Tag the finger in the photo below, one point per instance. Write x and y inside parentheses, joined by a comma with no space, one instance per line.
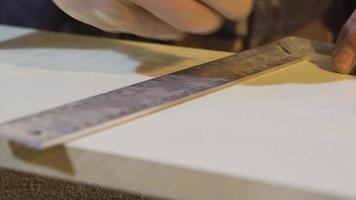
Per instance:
(344,57)
(122,17)
(231,9)
(82,11)
(134,19)
(188,15)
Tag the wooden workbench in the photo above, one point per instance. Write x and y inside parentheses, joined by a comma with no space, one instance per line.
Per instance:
(289,134)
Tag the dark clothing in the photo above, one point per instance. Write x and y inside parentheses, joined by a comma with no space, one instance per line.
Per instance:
(273,18)
(40,14)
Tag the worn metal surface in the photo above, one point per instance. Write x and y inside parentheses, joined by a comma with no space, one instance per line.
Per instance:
(55,126)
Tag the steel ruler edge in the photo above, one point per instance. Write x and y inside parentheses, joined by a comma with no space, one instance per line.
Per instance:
(55,126)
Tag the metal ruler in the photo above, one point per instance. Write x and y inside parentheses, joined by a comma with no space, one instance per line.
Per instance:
(58,125)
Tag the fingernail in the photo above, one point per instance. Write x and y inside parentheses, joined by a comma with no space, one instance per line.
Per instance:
(343,59)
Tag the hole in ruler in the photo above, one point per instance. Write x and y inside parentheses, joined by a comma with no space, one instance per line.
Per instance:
(36,132)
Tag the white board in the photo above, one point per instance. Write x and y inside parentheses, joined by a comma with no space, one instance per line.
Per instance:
(293,128)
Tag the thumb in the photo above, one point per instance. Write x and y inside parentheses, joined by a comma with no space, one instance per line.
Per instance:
(344,57)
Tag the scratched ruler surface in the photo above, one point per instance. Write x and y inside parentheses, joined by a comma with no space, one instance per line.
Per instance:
(58,125)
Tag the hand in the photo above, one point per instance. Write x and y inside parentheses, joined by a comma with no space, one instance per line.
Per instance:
(161,19)
(344,57)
